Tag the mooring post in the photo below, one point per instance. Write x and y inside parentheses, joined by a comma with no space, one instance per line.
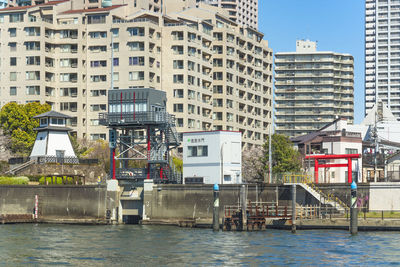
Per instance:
(293,208)
(243,202)
(216,208)
(353,209)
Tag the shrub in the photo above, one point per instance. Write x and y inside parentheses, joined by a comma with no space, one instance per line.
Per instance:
(57,180)
(5,180)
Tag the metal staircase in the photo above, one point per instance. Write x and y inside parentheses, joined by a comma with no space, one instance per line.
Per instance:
(305,181)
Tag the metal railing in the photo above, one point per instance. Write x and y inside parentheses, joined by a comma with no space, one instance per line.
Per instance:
(136,117)
(325,212)
(298,178)
(55,159)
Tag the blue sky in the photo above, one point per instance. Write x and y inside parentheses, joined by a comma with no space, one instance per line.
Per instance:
(337,25)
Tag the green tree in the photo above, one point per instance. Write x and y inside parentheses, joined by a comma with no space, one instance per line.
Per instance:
(178,163)
(17,121)
(284,157)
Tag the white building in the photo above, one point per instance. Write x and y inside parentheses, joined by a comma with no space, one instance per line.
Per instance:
(52,140)
(208,154)
(382,54)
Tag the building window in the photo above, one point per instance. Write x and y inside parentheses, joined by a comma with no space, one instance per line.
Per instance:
(136,31)
(13,32)
(115,47)
(95,137)
(13,90)
(32,75)
(351,151)
(178,107)
(13,76)
(197,151)
(98,78)
(33,60)
(116,61)
(96,35)
(136,61)
(116,76)
(96,19)
(13,46)
(13,61)
(19,17)
(136,75)
(136,46)
(178,93)
(178,64)
(98,63)
(178,78)
(115,32)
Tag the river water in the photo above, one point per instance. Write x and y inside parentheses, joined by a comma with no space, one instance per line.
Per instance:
(135,245)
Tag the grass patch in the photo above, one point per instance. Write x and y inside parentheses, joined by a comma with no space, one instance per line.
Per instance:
(6,180)
(378,214)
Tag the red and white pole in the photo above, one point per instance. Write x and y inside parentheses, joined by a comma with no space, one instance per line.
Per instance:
(36,206)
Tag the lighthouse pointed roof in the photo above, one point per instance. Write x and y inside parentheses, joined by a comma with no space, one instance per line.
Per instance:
(52,113)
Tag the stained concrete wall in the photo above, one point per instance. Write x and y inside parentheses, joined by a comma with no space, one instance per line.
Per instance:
(180,202)
(55,202)
(384,196)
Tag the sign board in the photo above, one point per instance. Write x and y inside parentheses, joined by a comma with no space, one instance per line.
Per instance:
(112,138)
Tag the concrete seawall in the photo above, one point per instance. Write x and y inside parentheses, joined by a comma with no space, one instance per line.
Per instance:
(175,203)
(85,204)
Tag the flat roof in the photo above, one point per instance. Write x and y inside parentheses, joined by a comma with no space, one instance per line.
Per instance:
(216,131)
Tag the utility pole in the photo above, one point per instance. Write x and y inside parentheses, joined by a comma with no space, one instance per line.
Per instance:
(270,153)
(375,136)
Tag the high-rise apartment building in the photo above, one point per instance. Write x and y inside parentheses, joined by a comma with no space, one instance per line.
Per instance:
(382,54)
(217,75)
(312,88)
(243,12)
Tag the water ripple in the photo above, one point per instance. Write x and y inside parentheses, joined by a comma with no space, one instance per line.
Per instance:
(129,245)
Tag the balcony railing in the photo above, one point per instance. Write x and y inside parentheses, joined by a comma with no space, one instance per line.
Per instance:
(113,118)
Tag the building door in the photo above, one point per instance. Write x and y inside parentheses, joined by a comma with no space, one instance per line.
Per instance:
(60,156)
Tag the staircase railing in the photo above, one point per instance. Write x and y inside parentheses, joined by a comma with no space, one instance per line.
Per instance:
(307,180)
(21,167)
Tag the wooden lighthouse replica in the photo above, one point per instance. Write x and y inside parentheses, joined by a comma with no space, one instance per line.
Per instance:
(52,142)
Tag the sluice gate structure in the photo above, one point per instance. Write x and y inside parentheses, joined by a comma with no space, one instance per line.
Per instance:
(141,136)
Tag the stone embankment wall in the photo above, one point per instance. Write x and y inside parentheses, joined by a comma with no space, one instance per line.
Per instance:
(56,203)
(91,172)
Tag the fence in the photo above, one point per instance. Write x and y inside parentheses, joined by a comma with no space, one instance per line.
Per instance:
(53,159)
(325,212)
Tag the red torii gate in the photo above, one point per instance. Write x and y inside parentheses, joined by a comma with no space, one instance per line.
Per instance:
(349,158)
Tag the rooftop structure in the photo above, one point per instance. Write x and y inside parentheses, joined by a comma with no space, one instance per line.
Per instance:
(243,12)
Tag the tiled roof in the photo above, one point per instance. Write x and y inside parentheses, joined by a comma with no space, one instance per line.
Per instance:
(52,113)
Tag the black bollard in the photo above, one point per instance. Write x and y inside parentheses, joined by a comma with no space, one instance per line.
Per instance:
(216,208)
(353,209)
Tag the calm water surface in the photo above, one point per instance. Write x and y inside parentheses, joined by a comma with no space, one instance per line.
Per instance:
(133,245)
